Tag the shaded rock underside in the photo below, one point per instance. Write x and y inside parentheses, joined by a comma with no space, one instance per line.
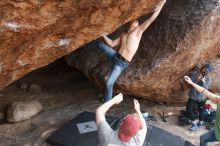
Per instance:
(35,33)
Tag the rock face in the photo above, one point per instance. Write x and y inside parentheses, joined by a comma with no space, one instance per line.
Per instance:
(185,34)
(216,76)
(20,111)
(35,33)
(35,88)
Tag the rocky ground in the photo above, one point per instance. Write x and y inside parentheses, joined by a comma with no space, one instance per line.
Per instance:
(65,93)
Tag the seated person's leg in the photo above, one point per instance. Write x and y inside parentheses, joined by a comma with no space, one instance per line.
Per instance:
(201,112)
(190,111)
(207,137)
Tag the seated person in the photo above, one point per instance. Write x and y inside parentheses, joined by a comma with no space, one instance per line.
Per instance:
(132,131)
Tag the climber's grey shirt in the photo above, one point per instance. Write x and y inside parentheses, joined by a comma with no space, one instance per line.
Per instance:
(108,137)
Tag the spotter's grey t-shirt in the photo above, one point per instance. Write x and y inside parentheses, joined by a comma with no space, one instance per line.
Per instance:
(109,137)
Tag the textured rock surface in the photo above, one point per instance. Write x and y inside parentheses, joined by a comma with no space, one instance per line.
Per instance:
(35,33)
(20,111)
(35,88)
(185,34)
(216,75)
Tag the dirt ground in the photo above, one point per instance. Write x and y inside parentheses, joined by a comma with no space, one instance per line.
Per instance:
(66,93)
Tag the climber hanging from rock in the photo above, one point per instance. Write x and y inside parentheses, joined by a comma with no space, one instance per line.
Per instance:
(129,42)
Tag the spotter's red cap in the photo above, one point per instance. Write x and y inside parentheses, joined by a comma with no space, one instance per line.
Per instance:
(129,127)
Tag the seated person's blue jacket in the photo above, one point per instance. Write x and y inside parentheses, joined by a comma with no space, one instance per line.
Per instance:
(193,94)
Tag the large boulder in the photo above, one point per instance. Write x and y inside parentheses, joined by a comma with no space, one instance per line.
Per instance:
(35,33)
(186,33)
(215,87)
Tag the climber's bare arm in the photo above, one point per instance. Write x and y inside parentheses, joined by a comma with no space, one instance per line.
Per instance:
(111,43)
(147,22)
